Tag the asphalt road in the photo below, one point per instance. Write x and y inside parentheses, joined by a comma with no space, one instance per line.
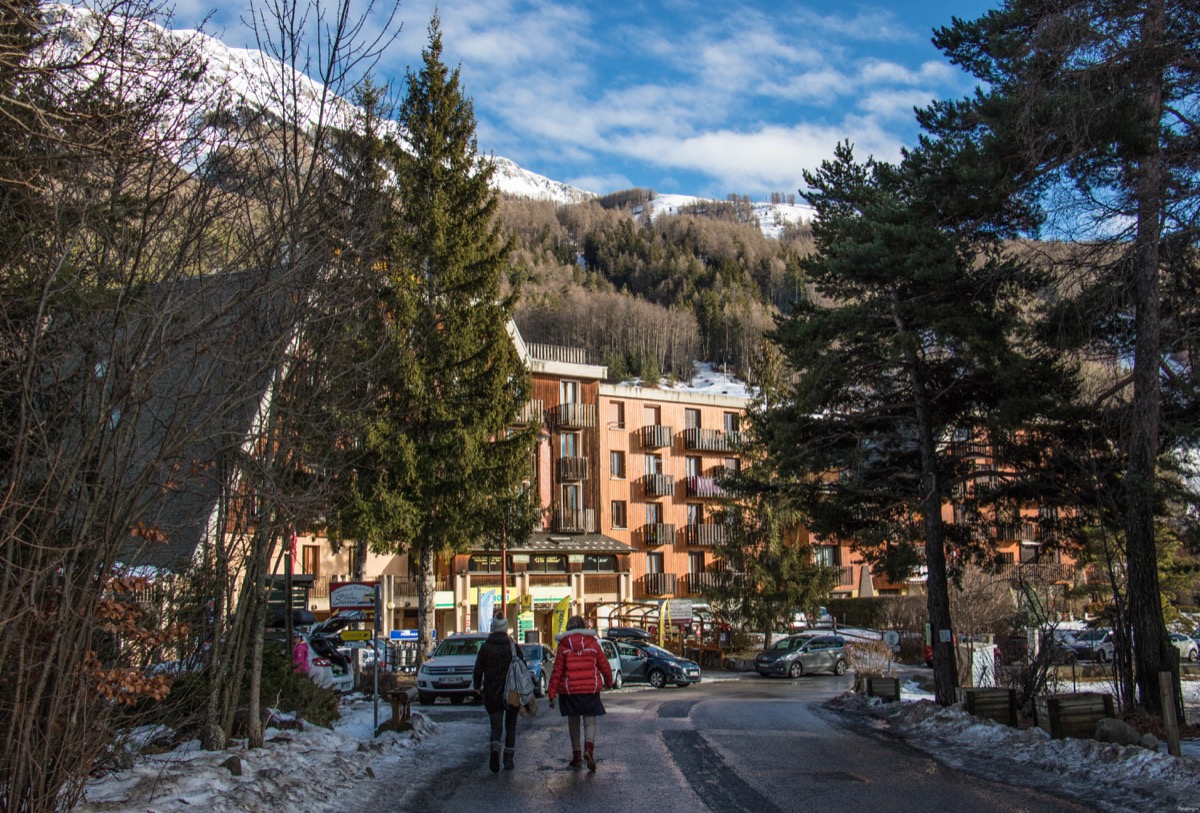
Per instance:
(740,745)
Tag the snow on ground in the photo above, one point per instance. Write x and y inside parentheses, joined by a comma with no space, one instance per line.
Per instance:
(705,380)
(301,769)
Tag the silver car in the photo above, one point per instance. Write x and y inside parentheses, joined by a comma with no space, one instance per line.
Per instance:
(796,655)
(1187,648)
(451,670)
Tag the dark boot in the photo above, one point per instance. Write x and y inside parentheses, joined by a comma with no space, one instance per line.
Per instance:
(494,759)
(588,757)
(576,759)
(508,759)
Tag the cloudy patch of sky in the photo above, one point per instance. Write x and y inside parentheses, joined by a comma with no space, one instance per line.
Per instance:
(704,98)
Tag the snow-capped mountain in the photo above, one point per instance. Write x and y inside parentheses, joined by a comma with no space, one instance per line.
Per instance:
(249,79)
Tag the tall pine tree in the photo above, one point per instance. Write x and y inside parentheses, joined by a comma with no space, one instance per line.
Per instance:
(463,382)
(1089,114)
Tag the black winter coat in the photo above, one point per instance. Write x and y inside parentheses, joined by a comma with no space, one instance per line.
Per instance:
(491,669)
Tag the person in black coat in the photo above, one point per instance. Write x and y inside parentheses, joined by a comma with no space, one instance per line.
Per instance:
(491,673)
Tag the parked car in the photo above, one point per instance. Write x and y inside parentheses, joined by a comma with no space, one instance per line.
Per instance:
(327,666)
(1015,650)
(540,660)
(1094,645)
(822,618)
(645,662)
(450,671)
(614,661)
(627,634)
(796,655)
(1186,646)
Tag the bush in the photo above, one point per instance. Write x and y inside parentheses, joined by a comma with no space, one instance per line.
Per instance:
(869,658)
(285,690)
(388,681)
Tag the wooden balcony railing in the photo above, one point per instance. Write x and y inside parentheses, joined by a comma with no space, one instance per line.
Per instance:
(656,437)
(845,574)
(705,534)
(531,412)
(559,353)
(704,487)
(712,440)
(659,584)
(574,416)
(1014,531)
(574,520)
(572,469)
(655,534)
(1045,573)
(697,582)
(659,485)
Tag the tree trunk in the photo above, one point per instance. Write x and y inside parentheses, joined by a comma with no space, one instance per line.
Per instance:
(1150,640)
(426,605)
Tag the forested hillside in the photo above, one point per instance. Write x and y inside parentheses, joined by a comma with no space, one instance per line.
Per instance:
(650,296)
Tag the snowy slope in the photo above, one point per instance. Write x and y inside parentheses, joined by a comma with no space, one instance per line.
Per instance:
(772,217)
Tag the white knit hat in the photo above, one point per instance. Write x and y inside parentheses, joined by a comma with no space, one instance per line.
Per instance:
(500,624)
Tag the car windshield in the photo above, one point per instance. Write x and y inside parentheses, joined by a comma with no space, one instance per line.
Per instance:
(657,652)
(462,646)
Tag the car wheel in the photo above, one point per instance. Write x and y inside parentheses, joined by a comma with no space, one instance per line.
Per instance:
(1192,655)
(426,698)
(1102,656)
(796,669)
(657,679)
(618,681)
(457,699)
(839,668)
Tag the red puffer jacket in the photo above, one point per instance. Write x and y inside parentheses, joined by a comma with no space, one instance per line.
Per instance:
(579,665)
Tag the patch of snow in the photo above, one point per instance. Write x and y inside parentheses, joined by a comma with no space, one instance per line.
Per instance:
(773,218)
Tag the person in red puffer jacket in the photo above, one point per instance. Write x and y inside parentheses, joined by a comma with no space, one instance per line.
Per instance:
(580,671)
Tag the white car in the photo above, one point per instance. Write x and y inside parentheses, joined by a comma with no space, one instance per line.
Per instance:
(450,672)
(328,670)
(1186,646)
(614,661)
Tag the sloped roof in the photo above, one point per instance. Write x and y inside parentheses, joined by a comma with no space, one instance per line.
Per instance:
(543,542)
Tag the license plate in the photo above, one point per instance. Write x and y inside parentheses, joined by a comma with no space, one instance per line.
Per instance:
(448,682)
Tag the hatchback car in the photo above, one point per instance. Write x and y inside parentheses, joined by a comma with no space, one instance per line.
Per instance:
(450,671)
(643,662)
(1094,645)
(796,655)
(1185,645)
(540,660)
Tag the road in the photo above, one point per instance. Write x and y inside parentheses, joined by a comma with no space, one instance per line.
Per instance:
(739,744)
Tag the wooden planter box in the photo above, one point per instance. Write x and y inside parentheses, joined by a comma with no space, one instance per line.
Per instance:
(1072,715)
(885,688)
(991,704)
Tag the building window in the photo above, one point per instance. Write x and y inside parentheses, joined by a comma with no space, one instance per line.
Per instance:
(618,514)
(696,562)
(695,514)
(311,558)
(695,467)
(570,444)
(568,392)
(616,461)
(571,497)
(653,464)
(654,513)
(732,465)
(732,421)
(827,555)
(547,563)
(486,563)
(599,563)
(616,415)
(691,418)
(654,563)
(652,416)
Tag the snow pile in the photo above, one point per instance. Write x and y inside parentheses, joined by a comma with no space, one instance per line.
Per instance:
(296,769)
(1133,777)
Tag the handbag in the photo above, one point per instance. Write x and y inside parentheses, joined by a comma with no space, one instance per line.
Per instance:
(518,685)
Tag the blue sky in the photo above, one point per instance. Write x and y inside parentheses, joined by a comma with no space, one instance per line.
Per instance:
(701,98)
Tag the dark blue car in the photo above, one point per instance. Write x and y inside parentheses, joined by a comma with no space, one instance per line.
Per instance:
(540,660)
(644,662)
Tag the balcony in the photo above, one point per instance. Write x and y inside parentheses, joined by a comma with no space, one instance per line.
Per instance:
(659,485)
(655,534)
(573,520)
(712,440)
(845,575)
(659,584)
(705,534)
(656,437)
(697,582)
(531,412)
(574,416)
(1037,572)
(704,487)
(572,469)
(1018,531)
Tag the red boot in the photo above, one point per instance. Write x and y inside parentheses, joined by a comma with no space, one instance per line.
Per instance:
(576,759)
(588,756)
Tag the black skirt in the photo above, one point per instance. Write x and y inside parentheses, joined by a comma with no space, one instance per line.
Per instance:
(581,705)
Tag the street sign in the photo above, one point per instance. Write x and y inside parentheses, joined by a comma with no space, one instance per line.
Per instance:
(526,603)
(408,635)
(680,610)
(356,635)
